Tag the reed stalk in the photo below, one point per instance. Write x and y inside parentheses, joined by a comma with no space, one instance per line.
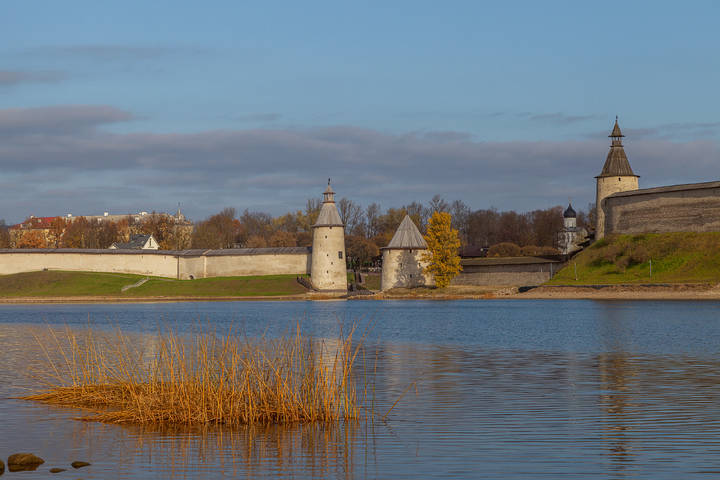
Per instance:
(200,379)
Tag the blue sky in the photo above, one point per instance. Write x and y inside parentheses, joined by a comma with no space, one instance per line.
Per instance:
(140,105)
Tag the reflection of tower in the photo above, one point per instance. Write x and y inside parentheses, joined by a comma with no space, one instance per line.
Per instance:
(616,176)
(327,270)
(615,377)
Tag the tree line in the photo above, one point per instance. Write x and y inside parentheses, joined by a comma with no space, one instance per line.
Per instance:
(368,228)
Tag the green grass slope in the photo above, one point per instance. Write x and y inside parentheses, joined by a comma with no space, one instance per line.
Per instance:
(80,284)
(682,257)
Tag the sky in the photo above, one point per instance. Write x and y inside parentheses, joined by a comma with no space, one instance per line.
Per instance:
(138,106)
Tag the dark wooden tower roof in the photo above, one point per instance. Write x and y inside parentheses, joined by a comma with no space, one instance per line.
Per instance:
(616,163)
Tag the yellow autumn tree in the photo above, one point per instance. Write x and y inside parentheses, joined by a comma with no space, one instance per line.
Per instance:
(443,246)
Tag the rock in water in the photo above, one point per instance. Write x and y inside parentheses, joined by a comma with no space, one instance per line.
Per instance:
(77,464)
(2,467)
(56,470)
(23,461)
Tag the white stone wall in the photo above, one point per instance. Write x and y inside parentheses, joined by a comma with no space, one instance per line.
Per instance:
(328,270)
(236,265)
(404,269)
(157,264)
(607,186)
(150,264)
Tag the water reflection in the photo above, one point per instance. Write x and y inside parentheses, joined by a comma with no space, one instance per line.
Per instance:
(604,400)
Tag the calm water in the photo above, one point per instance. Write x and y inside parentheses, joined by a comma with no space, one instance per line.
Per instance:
(505,389)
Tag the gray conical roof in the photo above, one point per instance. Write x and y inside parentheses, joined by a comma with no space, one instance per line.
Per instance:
(407,236)
(328,216)
(616,163)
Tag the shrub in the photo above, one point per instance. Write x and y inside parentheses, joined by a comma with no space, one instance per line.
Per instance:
(639,254)
(504,249)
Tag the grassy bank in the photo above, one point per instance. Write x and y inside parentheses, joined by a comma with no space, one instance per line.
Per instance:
(682,257)
(84,284)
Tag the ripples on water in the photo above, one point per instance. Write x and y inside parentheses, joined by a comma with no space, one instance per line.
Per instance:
(506,389)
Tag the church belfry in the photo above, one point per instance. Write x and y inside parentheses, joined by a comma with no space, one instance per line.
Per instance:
(616,176)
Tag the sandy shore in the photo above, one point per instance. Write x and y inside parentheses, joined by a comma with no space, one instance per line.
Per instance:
(114,299)
(700,291)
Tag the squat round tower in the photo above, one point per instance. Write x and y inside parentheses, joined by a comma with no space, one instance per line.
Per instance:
(327,270)
(402,260)
(616,176)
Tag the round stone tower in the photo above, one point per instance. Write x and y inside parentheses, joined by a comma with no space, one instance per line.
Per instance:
(402,260)
(327,270)
(616,176)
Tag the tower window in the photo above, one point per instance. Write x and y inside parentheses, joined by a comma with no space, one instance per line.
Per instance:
(340,254)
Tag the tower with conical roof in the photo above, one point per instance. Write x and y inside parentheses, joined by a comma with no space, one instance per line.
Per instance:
(402,258)
(327,268)
(616,176)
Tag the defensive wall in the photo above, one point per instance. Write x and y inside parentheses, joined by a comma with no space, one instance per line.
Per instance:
(506,271)
(677,208)
(185,264)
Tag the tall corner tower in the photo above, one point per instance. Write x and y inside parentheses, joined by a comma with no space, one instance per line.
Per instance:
(327,270)
(616,176)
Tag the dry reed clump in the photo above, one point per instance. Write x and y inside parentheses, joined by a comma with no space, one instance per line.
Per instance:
(202,379)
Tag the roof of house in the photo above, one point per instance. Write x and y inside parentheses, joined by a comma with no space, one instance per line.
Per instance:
(136,242)
(407,236)
(35,222)
(488,261)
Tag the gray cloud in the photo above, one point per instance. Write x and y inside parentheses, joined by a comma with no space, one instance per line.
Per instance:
(558,118)
(257,117)
(10,77)
(65,118)
(278,169)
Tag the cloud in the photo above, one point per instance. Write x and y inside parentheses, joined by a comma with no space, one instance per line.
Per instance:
(112,52)
(62,119)
(257,118)
(559,118)
(10,77)
(65,149)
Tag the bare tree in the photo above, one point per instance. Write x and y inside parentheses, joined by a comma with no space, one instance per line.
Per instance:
(351,215)
(438,204)
(372,220)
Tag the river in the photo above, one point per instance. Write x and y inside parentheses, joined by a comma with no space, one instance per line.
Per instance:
(515,389)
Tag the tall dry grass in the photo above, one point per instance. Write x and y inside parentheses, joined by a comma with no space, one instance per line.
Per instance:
(199,379)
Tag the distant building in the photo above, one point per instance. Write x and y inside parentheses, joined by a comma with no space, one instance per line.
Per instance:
(137,242)
(571,236)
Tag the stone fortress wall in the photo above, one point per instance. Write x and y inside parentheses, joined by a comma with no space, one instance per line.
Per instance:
(678,208)
(183,265)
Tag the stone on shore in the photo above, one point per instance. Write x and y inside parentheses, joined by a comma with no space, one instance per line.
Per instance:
(79,464)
